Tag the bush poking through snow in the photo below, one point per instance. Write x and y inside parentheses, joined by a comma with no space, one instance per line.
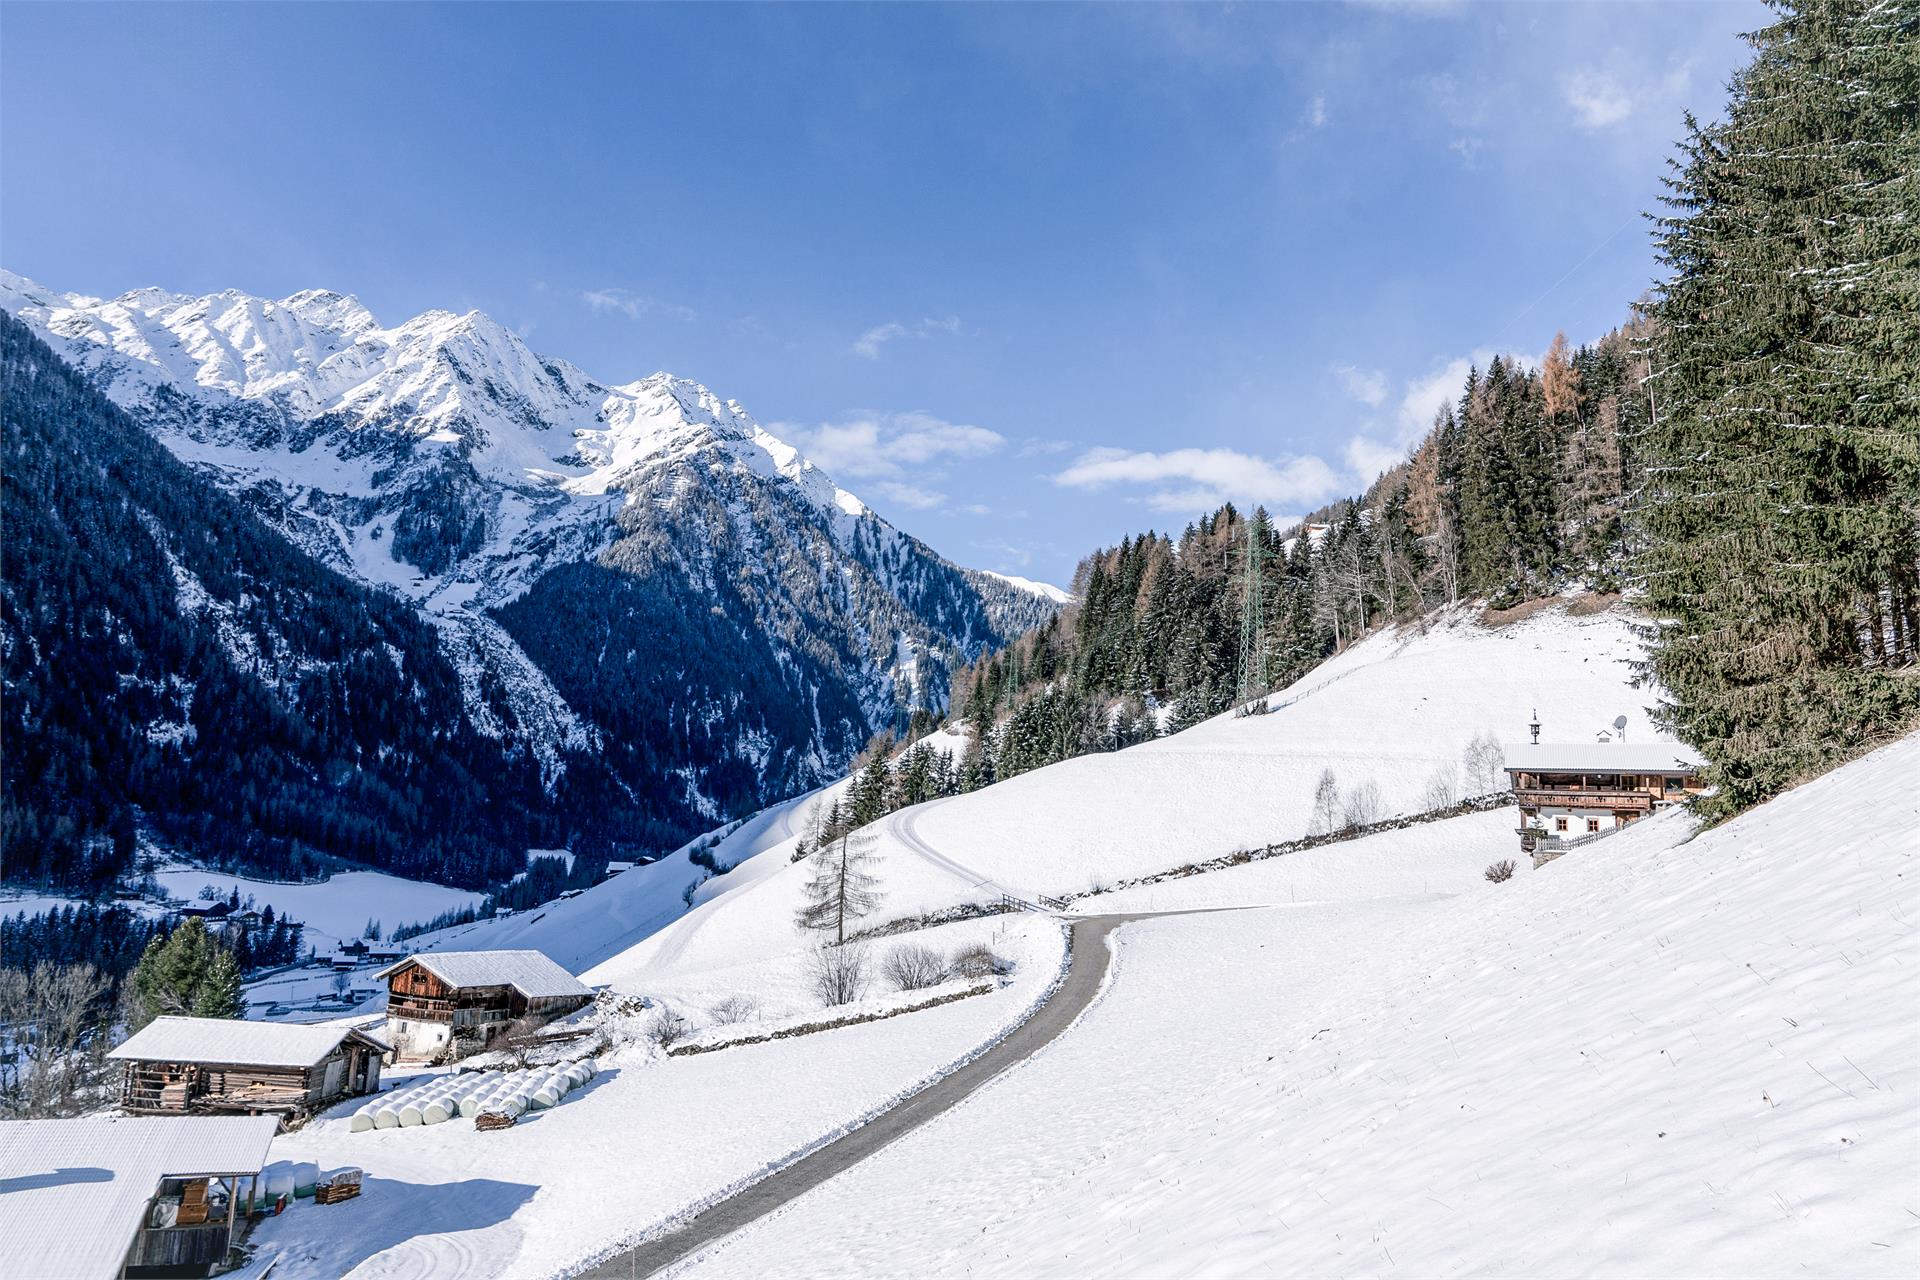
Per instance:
(978,961)
(665,1028)
(840,974)
(1501,871)
(735,1009)
(913,967)
(1443,789)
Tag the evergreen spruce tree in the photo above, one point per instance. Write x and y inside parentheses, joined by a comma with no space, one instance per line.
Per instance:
(841,886)
(188,972)
(1783,464)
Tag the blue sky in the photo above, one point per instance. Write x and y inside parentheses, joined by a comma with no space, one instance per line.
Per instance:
(1025,278)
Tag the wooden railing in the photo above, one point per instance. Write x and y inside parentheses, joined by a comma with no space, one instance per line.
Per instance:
(1583,798)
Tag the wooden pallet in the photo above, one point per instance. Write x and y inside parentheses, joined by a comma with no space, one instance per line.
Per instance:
(336,1193)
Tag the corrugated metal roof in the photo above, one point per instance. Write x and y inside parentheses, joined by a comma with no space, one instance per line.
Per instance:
(73,1192)
(529,972)
(262,1044)
(1603,757)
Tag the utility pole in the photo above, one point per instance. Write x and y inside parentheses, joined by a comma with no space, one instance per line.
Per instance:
(1253,611)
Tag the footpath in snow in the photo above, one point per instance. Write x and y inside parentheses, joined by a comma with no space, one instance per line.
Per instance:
(1656,1056)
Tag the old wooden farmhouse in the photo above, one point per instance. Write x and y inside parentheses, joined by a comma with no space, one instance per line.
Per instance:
(453,1002)
(1572,793)
(177,1065)
(125,1196)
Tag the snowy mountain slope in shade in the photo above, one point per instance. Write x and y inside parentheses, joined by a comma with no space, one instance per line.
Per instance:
(565,533)
(1656,1056)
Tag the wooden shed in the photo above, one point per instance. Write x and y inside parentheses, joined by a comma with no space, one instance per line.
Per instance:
(178,1065)
(124,1196)
(447,1002)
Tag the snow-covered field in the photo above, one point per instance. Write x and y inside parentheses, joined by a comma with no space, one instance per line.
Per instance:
(1655,1056)
(333,909)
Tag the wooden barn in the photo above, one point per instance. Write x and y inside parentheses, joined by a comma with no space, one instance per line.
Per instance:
(126,1196)
(442,1001)
(180,1065)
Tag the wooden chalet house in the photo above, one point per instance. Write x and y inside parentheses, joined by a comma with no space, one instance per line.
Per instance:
(1571,794)
(179,1065)
(452,1002)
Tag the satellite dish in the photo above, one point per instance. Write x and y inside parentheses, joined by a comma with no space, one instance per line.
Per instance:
(1620,723)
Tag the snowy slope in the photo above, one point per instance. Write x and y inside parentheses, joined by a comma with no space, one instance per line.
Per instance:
(1653,1057)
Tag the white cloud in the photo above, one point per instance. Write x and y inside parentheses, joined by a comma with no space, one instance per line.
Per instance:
(1467,148)
(1368,386)
(1425,396)
(909,495)
(1317,112)
(632,305)
(867,345)
(885,444)
(1210,476)
(1597,99)
(1368,458)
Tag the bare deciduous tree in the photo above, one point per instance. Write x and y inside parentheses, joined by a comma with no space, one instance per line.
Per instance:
(1501,871)
(1443,788)
(54,1026)
(1363,806)
(1326,806)
(840,974)
(1484,759)
(735,1009)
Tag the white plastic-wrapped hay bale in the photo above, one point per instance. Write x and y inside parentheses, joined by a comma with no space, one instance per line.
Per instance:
(277,1178)
(362,1120)
(306,1175)
(386,1116)
(411,1113)
(439,1110)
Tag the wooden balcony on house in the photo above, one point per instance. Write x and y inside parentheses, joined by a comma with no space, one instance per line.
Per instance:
(1575,797)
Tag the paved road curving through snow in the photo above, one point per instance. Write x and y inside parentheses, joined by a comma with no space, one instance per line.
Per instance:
(1089,958)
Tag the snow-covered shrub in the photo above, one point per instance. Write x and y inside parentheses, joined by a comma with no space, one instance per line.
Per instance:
(665,1028)
(840,974)
(978,961)
(1501,871)
(912,967)
(735,1009)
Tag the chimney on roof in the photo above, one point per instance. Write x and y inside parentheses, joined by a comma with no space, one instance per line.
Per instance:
(1535,726)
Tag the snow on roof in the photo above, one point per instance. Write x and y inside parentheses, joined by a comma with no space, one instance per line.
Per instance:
(77,1190)
(1602,757)
(529,972)
(259,1044)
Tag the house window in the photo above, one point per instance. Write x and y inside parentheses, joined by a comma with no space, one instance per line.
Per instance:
(1559,824)
(1673,784)
(1593,824)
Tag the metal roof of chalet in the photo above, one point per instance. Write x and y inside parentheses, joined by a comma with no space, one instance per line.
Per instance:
(73,1193)
(529,972)
(234,1040)
(1602,757)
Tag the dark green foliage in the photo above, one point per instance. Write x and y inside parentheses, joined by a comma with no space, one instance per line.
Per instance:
(169,660)
(111,939)
(189,972)
(1783,470)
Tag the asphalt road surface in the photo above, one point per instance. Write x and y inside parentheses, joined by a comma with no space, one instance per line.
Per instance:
(1089,957)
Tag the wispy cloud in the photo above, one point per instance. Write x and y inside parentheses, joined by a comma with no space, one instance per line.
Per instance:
(867,345)
(911,495)
(1368,386)
(1317,112)
(867,445)
(1597,99)
(632,305)
(1194,479)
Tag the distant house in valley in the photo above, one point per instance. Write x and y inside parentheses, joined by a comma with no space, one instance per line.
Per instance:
(615,868)
(126,1196)
(178,1065)
(457,1001)
(1572,793)
(210,912)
